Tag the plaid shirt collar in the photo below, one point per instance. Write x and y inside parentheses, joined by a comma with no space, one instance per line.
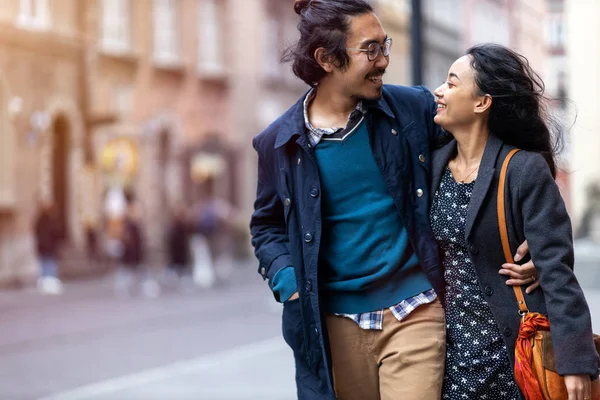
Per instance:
(374,319)
(316,134)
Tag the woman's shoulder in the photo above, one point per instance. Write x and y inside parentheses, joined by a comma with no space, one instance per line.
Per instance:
(526,167)
(524,160)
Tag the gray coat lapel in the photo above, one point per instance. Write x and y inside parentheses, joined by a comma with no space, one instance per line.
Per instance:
(485,176)
(439,161)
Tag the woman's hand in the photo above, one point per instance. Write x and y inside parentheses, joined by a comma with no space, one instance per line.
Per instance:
(596,389)
(578,387)
(521,274)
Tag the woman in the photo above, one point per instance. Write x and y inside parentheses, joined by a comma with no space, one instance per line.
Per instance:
(492,102)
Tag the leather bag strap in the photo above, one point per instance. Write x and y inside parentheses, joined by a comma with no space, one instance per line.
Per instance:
(504,230)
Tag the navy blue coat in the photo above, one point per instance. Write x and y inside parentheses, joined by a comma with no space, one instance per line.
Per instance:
(286,223)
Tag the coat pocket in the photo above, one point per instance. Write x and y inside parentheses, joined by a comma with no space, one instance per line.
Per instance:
(292,327)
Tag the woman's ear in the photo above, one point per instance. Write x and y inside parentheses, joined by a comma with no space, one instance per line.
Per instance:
(324,59)
(484,104)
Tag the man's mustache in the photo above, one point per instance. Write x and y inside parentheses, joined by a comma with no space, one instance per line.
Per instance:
(376,73)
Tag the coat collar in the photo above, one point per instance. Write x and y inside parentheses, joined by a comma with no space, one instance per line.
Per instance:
(292,123)
(293,119)
(485,175)
(381,105)
(439,161)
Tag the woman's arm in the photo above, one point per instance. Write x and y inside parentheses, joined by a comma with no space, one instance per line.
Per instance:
(547,227)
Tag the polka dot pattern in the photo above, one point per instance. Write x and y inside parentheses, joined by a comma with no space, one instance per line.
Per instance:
(477,364)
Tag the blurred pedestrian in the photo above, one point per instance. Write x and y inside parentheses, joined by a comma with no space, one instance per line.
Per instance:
(216,220)
(178,245)
(213,221)
(132,272)
(115,208)
(91,240)
(47,235)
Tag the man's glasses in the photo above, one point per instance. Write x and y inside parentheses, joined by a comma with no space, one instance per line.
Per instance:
(374,48)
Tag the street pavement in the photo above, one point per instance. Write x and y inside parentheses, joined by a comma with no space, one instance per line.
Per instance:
(218,344)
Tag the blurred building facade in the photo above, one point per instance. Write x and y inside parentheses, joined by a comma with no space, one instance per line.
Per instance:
(42,133)
(581,33)
(131,93)
(555,78)
(451,26)
(395,17)
(263,29)
(159,84)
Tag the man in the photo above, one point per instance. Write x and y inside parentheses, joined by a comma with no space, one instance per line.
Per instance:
(341,227)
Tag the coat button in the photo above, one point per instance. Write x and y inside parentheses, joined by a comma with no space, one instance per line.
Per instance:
(314,192)
(308,237)
(507,332)
(473,249)
(308,286)
(317,332)
(299,161)
(394,132)
(419,192)
(287,201)
(489,291)
(421,158)
(263,271)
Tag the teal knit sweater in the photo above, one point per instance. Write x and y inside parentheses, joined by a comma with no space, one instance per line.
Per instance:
(365,258)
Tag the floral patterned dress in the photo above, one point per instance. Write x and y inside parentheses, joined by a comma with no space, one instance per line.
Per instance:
(477,364)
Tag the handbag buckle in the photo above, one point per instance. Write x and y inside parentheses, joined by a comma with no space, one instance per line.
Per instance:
(523,314)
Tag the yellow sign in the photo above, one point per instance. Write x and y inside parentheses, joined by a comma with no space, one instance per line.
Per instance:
(120,157)
(206,165)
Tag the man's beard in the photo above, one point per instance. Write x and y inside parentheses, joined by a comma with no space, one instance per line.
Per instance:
(369,98)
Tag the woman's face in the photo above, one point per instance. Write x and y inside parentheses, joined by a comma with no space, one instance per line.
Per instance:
(457,97)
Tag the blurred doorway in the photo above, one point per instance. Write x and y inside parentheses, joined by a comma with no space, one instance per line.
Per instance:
(60,172)
(164,159)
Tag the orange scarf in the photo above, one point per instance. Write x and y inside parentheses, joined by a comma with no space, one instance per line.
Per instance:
(523,355)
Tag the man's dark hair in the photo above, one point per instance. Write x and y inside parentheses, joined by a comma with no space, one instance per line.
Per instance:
(323,23)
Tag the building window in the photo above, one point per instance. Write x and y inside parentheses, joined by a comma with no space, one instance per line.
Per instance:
(116,30)
(556,32)
(279,32)
(34,14)
(166,35)
(210,38)
(273,70)
(447,13)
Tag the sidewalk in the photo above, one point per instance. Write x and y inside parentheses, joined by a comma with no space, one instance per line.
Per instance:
(234,374)
(223,344)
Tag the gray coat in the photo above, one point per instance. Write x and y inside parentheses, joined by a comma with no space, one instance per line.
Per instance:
(534,210)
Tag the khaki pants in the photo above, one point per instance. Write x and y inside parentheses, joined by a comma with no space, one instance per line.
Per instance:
(404,361)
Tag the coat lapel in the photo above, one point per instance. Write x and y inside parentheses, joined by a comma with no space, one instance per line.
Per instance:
(439,161)
(483,181)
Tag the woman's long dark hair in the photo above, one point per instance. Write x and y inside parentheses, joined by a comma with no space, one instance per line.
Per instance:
(518,113)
